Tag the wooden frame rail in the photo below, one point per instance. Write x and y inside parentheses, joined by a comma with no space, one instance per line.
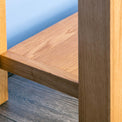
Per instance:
(3,48)
(100,61)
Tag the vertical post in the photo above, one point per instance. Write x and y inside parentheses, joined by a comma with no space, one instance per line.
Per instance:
(100,60)
(116,60)
(3,48)
(94,60)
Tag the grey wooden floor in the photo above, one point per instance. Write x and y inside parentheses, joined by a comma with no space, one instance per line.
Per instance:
(32,102)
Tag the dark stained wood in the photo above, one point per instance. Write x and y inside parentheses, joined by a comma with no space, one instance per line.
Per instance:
(94,60)
(32,102)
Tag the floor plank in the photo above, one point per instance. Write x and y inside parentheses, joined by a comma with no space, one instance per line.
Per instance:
(32,102)
(5,119)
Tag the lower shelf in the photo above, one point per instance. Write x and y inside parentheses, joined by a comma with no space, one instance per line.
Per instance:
(49,57)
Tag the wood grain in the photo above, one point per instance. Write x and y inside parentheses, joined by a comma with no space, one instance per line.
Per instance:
(3,48)
(32,102)
(49,58)
(5,119)
(116,60)
(94,60)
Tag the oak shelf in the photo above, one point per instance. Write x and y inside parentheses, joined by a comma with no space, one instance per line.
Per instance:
(49,57)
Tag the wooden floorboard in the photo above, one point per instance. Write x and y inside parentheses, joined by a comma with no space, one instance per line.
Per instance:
(5,119)
(32,102)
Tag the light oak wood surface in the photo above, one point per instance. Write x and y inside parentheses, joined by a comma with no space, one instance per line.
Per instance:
(3,48)
(50,57)
(116,61)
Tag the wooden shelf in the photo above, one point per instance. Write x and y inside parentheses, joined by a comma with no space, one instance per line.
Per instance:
(49,57)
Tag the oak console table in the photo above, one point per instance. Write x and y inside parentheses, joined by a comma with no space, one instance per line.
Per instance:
(80,56)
